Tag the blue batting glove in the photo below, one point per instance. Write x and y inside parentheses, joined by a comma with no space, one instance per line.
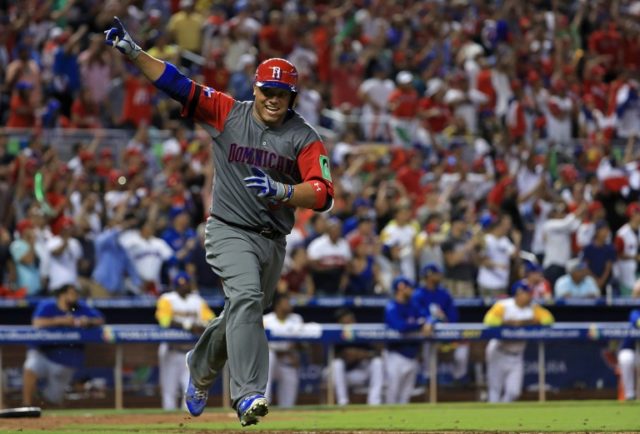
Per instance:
(266,187)
(118,37)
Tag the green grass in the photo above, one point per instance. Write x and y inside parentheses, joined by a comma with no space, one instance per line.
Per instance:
(517,417)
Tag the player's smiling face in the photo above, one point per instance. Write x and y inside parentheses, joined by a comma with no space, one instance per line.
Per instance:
(271,104)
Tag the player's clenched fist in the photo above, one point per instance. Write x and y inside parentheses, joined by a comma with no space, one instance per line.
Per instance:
(117,36)
(268,188)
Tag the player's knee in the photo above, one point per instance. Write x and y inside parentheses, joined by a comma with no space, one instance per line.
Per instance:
(245,308)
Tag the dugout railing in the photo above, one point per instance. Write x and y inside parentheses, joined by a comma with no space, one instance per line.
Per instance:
(328,335)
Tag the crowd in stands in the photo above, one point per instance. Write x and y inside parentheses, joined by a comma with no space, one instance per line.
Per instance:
(496,140)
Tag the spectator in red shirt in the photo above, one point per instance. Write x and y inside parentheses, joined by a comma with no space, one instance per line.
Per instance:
(137,107)
(433,110)
(607,41)
(214,73)
(22,112)
(85,113)
(403,106)
(346,77)
(275,38)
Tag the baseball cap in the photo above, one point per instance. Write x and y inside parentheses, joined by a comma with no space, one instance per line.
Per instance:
(632,208)
(532,267)
(520,285)
(404,77)
(431,268)
(601,224)
(278,73)
(23,225)
(576,264)
(361,201)
(181,277)
(399,280)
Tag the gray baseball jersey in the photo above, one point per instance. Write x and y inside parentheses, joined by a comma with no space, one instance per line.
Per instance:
(291,153)
(248,265)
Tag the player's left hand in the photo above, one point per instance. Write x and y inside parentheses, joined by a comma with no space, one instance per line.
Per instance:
(266,186)
(118,37)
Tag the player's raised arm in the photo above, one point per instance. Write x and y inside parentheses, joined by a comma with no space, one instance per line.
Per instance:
(165,76)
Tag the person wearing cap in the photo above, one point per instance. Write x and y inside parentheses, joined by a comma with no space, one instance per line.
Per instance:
(329,256)
(356,365)
(184,309)
(56,364)
(403,106)
(534,277)
(284,357)
(434,302)
(577,283)
(64,251)
(402,231)
(268,161)
(400,359)
(601,255)
(587,228)
(495,259)
(505,358)
(25,256)
(627,242)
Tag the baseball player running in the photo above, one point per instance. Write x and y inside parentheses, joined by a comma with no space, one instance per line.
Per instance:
(627,360)
(505,359)
(181,308)
(268,161)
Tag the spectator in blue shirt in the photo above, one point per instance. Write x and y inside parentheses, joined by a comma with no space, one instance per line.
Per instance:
(113,263)
(401,365)
(600,255)
(56,363)
(182,239)
(627,359)
(434,302)
(26,259)
(577,283)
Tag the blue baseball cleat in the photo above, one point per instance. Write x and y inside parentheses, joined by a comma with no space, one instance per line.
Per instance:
(195,399)
(251,409)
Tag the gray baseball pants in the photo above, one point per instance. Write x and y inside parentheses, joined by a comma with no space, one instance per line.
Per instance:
(249,266)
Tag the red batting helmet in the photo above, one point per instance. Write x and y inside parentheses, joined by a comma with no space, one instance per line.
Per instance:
(277,73)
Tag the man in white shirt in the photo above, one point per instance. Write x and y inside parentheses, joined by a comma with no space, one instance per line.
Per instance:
(148,253)
(374,92)
(577,283)
(402,232)
(626,243)
(64,254)
(284,357)
(495,264)
(329,255)
(557,232)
